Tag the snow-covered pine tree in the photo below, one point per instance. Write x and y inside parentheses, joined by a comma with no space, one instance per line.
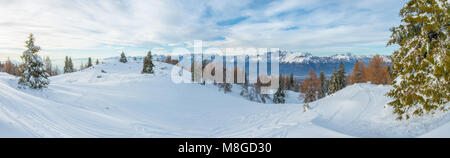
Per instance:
(323,85)
(123,58)
(333,87)
(97,62)
(227,87)
(148,64)
(34,74)
(278,97)
(89,64)
(422,64)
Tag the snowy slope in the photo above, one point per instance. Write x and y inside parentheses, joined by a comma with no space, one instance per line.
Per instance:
(124,103)
(361,110)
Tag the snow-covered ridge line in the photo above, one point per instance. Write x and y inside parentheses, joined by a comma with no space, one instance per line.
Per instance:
(308,58)
(293,57)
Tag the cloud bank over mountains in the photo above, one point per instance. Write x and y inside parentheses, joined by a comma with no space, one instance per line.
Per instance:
(103,28)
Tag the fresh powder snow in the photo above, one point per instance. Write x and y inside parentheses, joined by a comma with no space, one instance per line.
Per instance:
(115,100)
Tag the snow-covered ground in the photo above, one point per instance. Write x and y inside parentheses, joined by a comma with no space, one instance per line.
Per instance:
(124,103)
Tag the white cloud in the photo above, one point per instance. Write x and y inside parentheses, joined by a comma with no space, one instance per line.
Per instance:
(109,25)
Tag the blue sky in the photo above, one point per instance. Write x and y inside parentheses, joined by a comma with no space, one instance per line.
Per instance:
(83,28)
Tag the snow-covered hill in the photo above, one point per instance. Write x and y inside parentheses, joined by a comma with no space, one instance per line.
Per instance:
(121,102)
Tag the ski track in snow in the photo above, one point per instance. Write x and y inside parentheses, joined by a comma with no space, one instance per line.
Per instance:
(124,103)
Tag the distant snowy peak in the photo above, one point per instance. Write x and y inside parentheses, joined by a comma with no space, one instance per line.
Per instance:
(308,58)
(290,57)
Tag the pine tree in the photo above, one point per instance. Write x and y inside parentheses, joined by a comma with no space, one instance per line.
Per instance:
(148,64)
(34,75)
(70,65)
(123,58)
(89,64)
(278,97)
(97,62)
(48,65)
(421,65)
(341,78)
(323,85)
(333,84)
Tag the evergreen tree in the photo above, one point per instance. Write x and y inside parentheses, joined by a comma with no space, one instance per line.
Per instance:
(341,78)
(323,85)
(55,70)
(70,65)
(123,58)
(34,74)
(333,83)
(148,64)
(97,62)
(89,64)
(278,97)
(422,64)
